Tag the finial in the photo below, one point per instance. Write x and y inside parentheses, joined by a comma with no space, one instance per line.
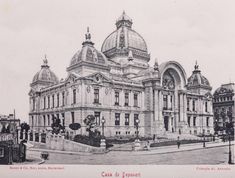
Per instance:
(45,61)
(88,35)
(130,56)
(156,64)
(196,66)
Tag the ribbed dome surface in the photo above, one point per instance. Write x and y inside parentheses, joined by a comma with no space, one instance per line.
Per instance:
(197,79)
(45,75)
(124,39)
(88,53)
(131,39)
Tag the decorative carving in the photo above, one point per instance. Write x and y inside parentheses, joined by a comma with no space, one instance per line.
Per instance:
(106,90)
(122,39)
(168,82)
(88,89)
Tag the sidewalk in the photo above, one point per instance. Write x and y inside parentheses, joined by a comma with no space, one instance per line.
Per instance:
(184,147)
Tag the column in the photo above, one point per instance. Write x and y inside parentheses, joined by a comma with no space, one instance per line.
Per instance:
(160,106)
(40,137)
(181,107)
(156,105)
(33,136)
(185,108)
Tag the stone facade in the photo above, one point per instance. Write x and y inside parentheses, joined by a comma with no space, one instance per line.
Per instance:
(119,85)
(223,106)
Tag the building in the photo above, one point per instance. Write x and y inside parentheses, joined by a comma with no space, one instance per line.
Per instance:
(223,106)
(8,123)
(118,83)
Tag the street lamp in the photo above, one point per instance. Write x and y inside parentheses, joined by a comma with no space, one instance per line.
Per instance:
(103,121)
(204,141)
(102,141)
(229,148)
(137,128)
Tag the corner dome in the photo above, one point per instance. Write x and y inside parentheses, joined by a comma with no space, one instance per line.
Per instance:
(197,79)
(225,88)
(45,75)
(123,39)
(88,53)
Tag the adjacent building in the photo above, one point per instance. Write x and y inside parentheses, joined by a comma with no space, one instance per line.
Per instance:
(118,84)
(223,106)
(8,123)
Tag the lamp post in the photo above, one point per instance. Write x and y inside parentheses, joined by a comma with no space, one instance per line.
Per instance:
(204,141)
(229,149)
(102,141)
(137,128)
(137,145)
(103,121)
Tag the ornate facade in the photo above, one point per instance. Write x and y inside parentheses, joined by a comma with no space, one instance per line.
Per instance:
(223,106)
(118,83)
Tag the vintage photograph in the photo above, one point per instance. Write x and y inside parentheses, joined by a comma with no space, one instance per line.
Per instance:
(127,82)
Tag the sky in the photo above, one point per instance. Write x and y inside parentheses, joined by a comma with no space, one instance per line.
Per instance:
(180,30)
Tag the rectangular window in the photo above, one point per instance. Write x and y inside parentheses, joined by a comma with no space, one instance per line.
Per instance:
(44,120)
(48,120)
(63,121)
(96,95)
(58,99)
(74,96)
(194,121)
(97,118)
(127,119)
(188,102)
(53,101)
(48,102)
(135,100)
(189,121)
(72,117)
(136,117)
(126,99)
(1,152)
(207,121)
(33,104)
(193,105)
(206,107)
(116,98)
(165,102)
(32,121)
(44,102)
(63,98)
(117,118)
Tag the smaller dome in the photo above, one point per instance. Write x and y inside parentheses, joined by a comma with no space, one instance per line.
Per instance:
(88,53)
(45,75)
(225,88)
(197,79)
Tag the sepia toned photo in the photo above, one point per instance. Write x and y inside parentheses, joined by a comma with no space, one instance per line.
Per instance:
(117,83)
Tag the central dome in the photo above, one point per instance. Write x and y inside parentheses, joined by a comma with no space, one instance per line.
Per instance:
(125,39)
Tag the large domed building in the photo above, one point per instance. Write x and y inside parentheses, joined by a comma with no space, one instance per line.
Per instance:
(118,85)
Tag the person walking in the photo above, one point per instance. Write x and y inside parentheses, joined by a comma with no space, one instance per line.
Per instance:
(178,142)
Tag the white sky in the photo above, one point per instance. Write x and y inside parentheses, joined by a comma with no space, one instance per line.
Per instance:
(181,30)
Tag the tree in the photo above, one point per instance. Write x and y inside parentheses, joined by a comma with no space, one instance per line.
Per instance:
(91,128)
(75,126)
(4,130)
(24,127)
(56,126)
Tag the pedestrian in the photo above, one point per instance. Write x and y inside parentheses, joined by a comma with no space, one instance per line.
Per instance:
(154,137)
(178,142)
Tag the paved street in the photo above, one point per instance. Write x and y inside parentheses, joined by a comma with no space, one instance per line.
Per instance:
(217,155)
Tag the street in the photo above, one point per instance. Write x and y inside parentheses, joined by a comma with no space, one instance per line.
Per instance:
(217,155)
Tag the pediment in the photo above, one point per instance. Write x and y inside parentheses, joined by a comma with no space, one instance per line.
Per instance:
(98,78)
(71,78)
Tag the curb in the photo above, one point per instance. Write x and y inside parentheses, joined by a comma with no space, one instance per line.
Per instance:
(180,150)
